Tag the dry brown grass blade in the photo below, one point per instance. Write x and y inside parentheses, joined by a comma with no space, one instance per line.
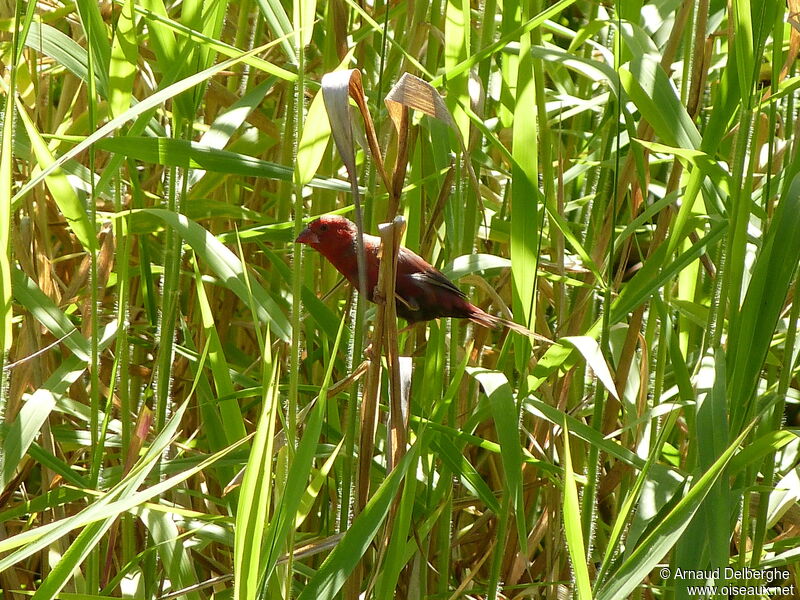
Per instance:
(105,262)
(401,163)
(391,233)
(399,374)
(384,335)
(306,549)
(702,54)
(337,88)
(368,423)
(412,92)
(794,37)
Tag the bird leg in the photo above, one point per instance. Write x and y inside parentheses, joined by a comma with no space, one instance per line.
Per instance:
(409,304)
(369,352)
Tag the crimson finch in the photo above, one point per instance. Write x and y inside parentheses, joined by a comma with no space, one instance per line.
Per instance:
(422,291)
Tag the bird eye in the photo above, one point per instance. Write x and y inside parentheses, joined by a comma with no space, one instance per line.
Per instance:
(323,228)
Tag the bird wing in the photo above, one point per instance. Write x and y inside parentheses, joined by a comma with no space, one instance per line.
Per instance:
(434,277)
(418,270)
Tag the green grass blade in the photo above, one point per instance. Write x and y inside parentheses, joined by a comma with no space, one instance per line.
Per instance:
(772,274)
(123,61)
(663,537)
(227,267)
(25,428)
(254,499)
(329,578)
(572,529)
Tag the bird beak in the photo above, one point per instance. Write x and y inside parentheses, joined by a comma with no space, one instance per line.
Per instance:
(307,237)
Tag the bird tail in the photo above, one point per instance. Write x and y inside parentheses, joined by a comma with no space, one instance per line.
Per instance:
(491,321)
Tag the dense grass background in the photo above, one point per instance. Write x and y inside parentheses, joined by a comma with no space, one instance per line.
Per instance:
(187,407)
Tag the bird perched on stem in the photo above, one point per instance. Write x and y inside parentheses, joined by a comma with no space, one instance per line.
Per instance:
(422,292)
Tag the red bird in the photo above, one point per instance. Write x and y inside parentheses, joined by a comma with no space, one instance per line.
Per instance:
(423,292)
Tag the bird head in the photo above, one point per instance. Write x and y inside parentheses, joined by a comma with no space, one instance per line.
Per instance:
(328,233)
